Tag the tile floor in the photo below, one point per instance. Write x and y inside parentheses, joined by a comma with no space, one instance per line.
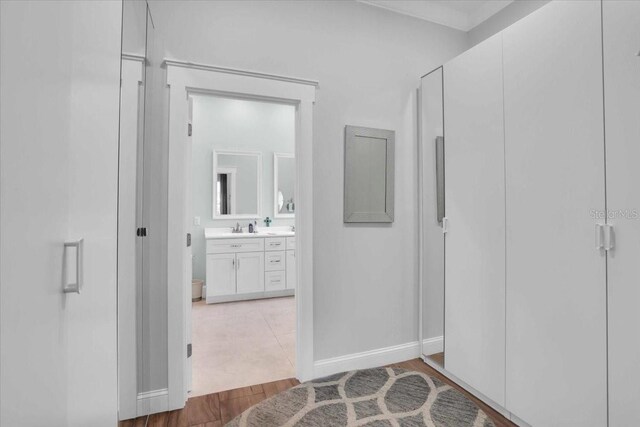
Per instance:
(243,343)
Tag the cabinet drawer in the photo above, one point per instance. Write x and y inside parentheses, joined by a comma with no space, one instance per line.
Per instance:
(274,244)
(274,280)
(291,243)
(274,261)
(221,246)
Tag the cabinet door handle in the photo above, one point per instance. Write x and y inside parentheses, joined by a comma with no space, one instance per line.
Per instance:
(233,262)
(599,236)
(609,237)
(73,287)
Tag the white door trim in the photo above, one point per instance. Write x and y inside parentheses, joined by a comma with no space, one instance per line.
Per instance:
(182,79)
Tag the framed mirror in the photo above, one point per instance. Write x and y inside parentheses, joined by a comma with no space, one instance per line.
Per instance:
(237,184)
(432,210)
(368,175)
(284,183)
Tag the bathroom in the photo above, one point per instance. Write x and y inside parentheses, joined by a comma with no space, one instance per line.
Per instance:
(243,242)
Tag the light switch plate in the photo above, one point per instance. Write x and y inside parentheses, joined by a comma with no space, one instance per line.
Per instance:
(196,220)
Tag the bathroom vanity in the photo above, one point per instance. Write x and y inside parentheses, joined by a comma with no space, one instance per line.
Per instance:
(242,266)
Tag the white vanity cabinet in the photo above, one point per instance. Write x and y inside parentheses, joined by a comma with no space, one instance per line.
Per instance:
(249,266)
(291,262)
(291,269)
(274,243)
(223,268)
(274,261)
(249,272)
(235,273)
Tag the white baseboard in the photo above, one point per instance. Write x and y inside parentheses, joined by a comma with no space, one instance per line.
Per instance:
(152,402)
(254,295)
(367,359)
(432,346)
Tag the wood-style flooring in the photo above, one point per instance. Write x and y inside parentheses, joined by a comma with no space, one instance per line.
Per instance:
(215,410)
(437,358)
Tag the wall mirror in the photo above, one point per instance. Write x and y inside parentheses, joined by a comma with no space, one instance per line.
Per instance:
(284,183)
(432,210)
(368,175)
(236,184)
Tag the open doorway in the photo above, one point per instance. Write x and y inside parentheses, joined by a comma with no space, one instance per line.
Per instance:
(185,81)
(242,185)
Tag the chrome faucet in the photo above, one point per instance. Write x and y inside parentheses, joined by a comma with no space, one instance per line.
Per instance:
(237,228)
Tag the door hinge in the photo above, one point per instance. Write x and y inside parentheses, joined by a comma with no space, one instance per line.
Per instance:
(189,129)
(445,225)
(189,350)
(188,239)
(141,232)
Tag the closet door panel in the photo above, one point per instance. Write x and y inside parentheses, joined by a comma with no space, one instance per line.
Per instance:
(474,201)
(621,36)
(556,283)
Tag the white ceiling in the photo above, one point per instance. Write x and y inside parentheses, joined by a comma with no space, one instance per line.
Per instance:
(459,14)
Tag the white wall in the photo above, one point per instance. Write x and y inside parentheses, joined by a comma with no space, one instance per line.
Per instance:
(152,364)
(501,20)
(134,25)
(368,62)
(236,125)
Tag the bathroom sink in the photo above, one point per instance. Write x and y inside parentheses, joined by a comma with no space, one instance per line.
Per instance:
(225,233)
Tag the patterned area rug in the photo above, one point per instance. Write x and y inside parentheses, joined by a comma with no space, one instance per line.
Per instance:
(377,397)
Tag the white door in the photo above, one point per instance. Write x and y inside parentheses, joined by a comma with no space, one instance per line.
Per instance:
(474,201)
(621,27)
(59,96)
(556,283)
(221,270)
(291,269)
(250,272)
(131,116)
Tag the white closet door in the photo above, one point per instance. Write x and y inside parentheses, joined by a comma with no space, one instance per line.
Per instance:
(474,201)
(621,31)
(556,284)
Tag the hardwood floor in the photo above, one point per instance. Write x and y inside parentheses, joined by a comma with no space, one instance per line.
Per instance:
(215,410)
(419,365)
(437,358)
